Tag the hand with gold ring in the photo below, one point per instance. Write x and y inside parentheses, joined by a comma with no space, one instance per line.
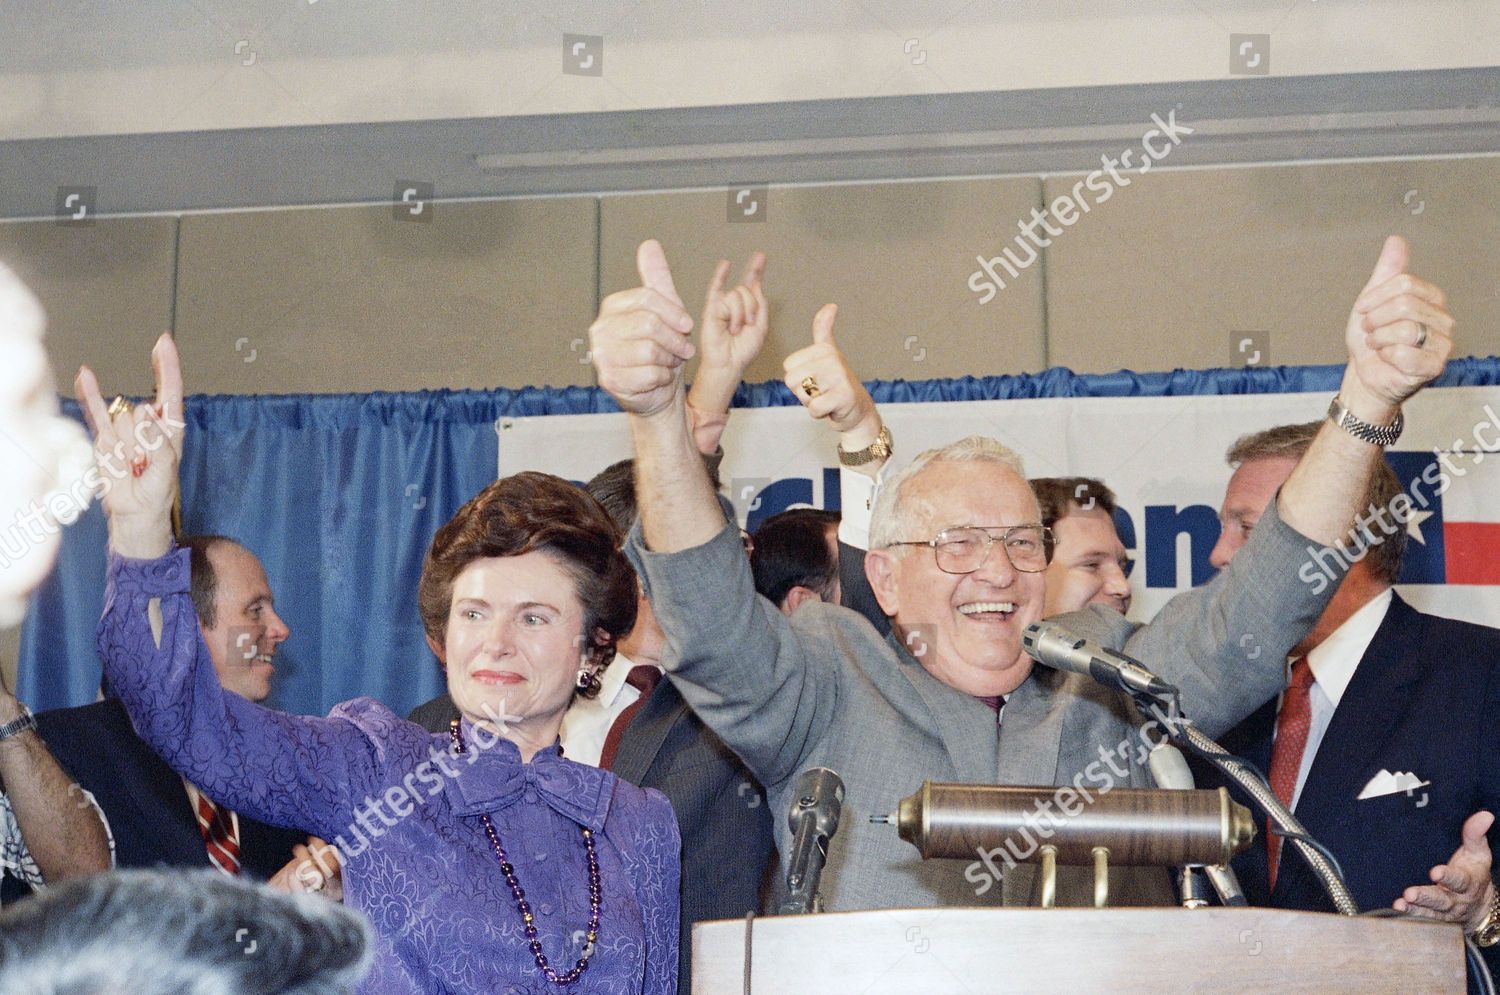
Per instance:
(137,449)
(822,380)
(1399,336)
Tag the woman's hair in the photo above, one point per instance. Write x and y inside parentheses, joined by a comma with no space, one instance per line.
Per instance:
(536,512)
(168,932)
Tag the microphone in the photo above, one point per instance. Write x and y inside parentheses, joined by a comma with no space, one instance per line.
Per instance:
(1170,770)
(1054,646)
(817,800)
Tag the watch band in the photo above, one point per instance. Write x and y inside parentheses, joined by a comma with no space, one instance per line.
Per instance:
(1376,435)
(1488,933)
(17,726)
(881,448)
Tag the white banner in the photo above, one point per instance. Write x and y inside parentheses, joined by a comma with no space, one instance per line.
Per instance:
(1162,456)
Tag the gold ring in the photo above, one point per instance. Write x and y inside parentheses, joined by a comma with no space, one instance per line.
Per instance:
(1421,335)
(120,406)
(810,387)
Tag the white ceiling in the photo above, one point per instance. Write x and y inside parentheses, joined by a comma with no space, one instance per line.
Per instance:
(334,101)
(153,66)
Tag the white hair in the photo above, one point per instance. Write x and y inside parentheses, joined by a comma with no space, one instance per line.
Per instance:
(895,517)
(167,932)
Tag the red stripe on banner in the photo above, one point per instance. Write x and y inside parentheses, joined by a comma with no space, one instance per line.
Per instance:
(1472,552)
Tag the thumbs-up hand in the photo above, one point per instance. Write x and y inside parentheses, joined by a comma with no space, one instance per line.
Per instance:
(1399,334)
(640,340)
(822,380)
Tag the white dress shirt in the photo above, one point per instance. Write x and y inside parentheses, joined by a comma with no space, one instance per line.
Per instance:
(587,721)
(857,492)
(1333,662)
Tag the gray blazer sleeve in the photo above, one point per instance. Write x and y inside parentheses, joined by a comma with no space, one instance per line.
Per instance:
(1225,643)
(764,687)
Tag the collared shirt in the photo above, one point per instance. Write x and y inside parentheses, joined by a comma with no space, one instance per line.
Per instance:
(15,857)
(1333,662)
(588,720)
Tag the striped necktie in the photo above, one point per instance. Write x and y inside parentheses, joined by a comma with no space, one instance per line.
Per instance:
(219,836)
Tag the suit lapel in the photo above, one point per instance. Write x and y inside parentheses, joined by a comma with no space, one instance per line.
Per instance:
(644,737)
(162,809)
(1029,749)
(966,725)
(1373,706)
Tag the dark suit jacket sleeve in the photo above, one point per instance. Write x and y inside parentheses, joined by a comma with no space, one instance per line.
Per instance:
(435,715)
(736,659)
(856,590)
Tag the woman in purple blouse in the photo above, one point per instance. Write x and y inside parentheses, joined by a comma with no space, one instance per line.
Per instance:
(485,861)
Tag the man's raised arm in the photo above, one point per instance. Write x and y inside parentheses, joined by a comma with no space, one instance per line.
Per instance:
(640,343)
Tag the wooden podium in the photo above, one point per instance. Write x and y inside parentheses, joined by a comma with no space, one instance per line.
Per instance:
(983,951)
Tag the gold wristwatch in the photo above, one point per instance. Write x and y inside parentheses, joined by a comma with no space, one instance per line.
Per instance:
(878,450)
(1488,933)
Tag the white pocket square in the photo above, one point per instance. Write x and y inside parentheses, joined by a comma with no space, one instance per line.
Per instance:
(1386,783)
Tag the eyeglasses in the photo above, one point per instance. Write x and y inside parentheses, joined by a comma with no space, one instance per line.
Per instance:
(963,549)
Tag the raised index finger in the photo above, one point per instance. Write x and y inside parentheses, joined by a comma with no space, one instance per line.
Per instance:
(168,368)
(86,389)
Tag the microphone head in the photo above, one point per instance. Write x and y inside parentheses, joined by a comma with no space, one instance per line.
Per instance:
(1054,646)
(818,792)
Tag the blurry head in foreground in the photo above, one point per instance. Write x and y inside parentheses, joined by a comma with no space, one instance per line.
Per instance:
(39,451)
(170,933)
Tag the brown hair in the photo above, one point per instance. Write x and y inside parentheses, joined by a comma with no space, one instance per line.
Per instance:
(536,512)
(1060,495)
(203,582)
(1291,442)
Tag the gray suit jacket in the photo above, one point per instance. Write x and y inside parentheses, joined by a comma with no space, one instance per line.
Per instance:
(823,688)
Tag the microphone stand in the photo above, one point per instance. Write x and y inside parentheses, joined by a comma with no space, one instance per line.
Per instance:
(1288,827)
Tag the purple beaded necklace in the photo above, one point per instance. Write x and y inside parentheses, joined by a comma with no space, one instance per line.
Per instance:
(524,907)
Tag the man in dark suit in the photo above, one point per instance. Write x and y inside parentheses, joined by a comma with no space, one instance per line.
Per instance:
(648,736)
(155,816)
(1384,744)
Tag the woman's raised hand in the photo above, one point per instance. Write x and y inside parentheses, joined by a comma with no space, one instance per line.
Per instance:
(137,451)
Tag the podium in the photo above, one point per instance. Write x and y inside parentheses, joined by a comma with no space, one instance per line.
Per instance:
(982,951)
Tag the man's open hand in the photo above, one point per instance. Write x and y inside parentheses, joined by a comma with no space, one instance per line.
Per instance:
(1460,891)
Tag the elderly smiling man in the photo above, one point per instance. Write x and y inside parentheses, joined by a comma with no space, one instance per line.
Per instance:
(822,688)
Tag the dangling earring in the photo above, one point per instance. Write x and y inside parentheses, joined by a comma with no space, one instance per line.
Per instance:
(586,679)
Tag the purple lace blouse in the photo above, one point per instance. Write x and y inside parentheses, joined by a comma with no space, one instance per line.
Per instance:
(403,809)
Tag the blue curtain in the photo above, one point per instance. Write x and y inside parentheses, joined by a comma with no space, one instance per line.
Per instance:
(339,496)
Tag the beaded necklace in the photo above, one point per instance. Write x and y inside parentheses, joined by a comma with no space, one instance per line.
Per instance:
(524,907)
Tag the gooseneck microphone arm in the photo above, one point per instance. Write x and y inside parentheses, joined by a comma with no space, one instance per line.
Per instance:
(1288,827)
(1054,646)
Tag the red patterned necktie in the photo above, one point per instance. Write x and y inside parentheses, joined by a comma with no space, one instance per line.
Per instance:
(1292,725)
(644,678)
(219,837)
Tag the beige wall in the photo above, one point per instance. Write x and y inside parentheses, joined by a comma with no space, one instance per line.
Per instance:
(107,288)
(501,293)
(1174,268)
(353,299)
(893,256)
